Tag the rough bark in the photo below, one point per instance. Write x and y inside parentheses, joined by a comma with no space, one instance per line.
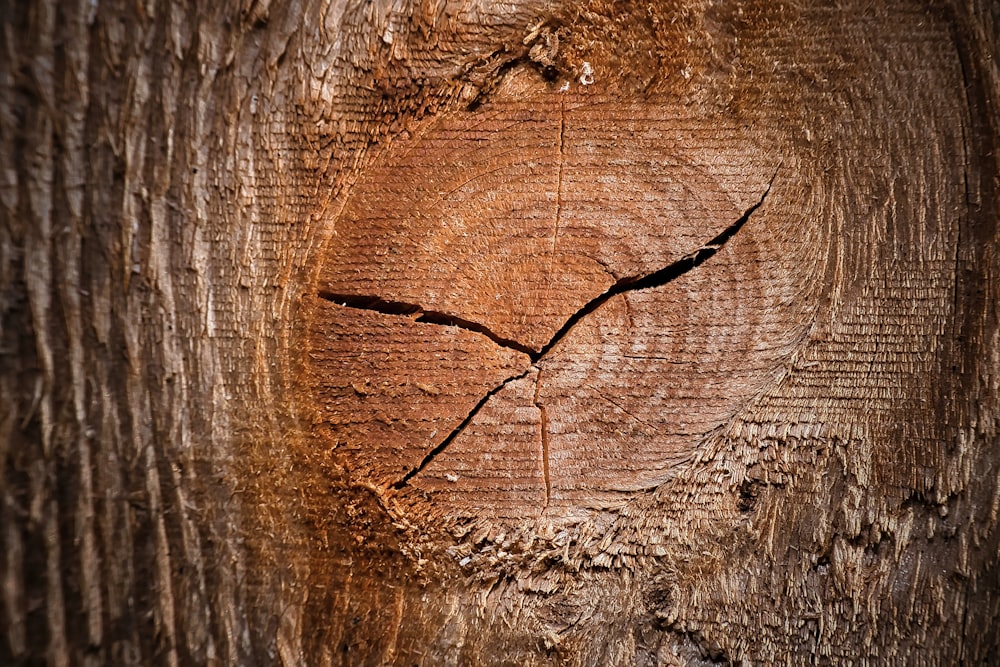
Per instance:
(499,333)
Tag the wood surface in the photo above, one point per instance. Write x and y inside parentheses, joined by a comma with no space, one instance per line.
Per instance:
(450,332)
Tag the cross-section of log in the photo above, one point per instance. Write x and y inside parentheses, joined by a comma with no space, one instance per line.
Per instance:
(626,396)
(517,214)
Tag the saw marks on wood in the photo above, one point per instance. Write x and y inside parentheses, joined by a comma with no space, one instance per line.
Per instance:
(572,271)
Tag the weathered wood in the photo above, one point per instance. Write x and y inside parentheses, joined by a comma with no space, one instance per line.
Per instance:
(637,412)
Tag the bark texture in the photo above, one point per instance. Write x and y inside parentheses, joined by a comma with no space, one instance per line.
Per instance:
(462,332)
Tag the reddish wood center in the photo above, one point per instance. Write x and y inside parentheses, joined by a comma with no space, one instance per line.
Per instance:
(442,355)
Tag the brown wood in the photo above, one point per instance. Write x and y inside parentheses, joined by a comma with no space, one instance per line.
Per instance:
(499,333)
(510,219)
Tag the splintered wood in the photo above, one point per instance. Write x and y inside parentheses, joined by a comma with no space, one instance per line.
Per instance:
(508,223)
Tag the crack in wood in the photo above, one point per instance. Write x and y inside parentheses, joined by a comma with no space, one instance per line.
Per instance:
(431,455)
(559,184)
(621,407)
(544,428)
(657,278)
(419,314)
(652,280)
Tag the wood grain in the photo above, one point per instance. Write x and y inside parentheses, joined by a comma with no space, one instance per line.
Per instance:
(518,213)
(512,218)
(785,453)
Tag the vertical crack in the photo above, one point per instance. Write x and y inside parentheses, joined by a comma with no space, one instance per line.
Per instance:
(545,439)
(559,185)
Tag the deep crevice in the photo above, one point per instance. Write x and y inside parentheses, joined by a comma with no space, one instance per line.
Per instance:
(456,431)
(386,307)
(657,278)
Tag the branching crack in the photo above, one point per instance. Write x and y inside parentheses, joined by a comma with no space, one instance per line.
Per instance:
(652,280)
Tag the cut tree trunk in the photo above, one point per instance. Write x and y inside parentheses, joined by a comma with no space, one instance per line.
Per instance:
(448,332)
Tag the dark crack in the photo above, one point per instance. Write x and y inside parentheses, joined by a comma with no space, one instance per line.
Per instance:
(431,455)
(627,284)
(378,305)
(621,407)
(657,278)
